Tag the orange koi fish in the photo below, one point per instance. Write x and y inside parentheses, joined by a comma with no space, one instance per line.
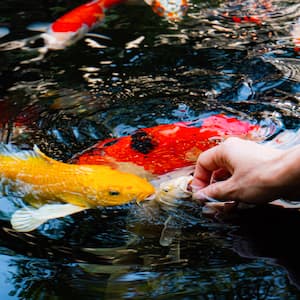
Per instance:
(55,189)
(76,23)
(164,148)
(67,29)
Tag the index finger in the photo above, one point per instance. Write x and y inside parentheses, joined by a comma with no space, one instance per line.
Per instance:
(204,167)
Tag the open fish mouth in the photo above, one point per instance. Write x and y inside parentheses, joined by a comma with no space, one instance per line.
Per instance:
(171,193)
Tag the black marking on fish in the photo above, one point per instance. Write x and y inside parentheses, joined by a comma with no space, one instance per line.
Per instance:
(142,142)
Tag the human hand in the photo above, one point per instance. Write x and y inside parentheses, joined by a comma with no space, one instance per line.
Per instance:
(248,171)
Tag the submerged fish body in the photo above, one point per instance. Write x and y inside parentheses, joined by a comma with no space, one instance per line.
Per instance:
(66,30)
(165,148)
(75,24)
(51,185)
(72,26)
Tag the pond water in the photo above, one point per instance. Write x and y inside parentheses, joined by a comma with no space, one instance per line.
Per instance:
(234,57)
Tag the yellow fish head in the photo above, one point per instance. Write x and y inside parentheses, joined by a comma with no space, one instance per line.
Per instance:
(124,188)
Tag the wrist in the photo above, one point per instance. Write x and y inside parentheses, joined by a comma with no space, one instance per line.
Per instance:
(283,175)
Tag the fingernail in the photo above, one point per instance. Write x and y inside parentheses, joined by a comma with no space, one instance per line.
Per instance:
(197,184)
(230,205)
(200,195)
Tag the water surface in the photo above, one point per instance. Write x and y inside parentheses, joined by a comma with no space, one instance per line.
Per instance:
(215,60)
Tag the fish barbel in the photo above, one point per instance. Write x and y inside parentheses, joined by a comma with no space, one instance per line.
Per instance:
(56,189)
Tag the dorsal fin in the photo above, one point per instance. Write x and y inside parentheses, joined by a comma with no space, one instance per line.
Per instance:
(42,155)
(13,151)
(16,153)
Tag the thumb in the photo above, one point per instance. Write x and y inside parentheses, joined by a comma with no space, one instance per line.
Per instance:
(218,191)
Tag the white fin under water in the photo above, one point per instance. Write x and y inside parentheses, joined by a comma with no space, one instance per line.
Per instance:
(171,190)
(29,218)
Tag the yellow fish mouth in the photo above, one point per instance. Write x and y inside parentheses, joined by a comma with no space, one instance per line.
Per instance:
(147,199)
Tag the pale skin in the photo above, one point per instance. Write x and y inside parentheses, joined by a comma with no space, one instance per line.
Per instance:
(250,172)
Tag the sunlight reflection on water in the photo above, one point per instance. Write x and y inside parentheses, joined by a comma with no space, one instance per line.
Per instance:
(217,60)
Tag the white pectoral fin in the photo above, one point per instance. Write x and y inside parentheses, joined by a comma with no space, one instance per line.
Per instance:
(39,26)
(29,218)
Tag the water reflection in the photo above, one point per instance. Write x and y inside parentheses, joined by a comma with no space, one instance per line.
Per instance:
(270,236)
(235,57)
(199,264)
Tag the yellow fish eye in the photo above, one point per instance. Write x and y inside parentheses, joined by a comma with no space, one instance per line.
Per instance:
(113,193)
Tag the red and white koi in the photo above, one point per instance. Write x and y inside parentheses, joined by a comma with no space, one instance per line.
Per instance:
(72,26)
(67,29)
(76,23)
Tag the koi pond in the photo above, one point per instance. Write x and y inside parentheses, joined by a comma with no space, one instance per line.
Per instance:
(238,58)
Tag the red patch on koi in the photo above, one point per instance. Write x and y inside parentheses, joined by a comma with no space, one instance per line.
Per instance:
(87,14)
(164,148)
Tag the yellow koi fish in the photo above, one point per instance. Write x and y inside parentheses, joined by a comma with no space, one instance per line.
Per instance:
(55,189)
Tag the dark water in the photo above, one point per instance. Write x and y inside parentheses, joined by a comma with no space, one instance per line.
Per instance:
(72,98)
